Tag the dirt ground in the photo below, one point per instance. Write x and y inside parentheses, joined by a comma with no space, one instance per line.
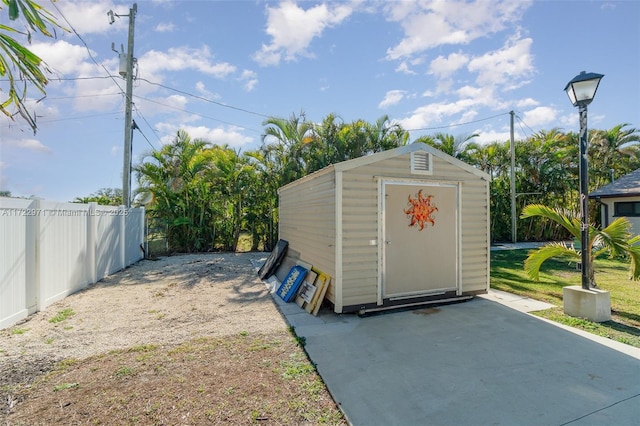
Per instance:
(192,339)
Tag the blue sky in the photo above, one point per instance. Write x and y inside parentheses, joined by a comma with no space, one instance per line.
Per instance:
(218,68)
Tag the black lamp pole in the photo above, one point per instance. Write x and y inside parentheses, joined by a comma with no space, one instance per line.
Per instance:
(581,91)
(584,198)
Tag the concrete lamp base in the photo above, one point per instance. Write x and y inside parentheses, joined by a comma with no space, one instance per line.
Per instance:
(592,304)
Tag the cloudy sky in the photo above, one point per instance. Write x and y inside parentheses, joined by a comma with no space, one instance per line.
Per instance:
(217,69)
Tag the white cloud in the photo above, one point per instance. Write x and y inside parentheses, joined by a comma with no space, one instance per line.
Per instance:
(444,67)
(29,144)
(540,117)
(432,114)
(184,58)
(506,66)
(90,17)
(250,80)
(229,135)
(202,89)
(172,104)
(61,57)
(436,23)
(391,98)
(292,29)
(165,27)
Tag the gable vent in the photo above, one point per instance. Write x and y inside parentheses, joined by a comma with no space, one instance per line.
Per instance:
(421,163)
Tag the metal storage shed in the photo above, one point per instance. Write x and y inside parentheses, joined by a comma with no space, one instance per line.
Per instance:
(400,227)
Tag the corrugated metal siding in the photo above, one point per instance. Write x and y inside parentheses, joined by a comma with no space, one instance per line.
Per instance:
(307,221)
(360,225)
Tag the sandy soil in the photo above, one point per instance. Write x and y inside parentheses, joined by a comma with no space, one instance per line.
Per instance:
(165,302)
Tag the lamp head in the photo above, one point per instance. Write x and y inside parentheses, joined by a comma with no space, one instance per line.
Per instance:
(582,88)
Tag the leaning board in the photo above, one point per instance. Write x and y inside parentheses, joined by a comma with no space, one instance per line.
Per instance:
(291,283)
(321,284)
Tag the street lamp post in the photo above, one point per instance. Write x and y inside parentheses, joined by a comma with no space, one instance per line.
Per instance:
(581,91)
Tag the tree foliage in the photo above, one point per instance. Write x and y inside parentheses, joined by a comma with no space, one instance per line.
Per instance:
(104,197)
(614,240)
(17,62)
(205,195)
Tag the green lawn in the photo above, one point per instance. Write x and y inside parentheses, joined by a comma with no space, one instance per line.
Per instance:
(507,274)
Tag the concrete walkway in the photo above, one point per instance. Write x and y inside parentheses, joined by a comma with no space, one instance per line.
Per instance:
(481,362)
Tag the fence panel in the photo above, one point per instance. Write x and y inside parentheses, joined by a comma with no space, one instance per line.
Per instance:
(49,250)
(63,250)
(15,262)
(109,237)
(134,231)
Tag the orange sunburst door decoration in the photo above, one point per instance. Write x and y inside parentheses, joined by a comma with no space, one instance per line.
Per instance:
(421,210)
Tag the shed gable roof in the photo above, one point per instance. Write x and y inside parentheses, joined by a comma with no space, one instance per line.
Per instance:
(627,186)
(395,152)
(407,149)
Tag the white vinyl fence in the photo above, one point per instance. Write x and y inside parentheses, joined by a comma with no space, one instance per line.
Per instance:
(49,250)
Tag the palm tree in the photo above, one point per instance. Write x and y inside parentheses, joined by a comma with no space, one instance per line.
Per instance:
(14,55)
(290,138)
(613,240)
(459,147)
(614,149)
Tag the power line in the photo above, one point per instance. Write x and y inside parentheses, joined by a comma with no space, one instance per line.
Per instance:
(136,127)
(521,122)
(149,125)
(198,114)
(205,99)
(458,124)
(86,46)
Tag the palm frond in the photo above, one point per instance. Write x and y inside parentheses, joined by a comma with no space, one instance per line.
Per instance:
(538,210)
(537,257)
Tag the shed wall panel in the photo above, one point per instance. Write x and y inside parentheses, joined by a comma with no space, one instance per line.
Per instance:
(307,222)
(360,224)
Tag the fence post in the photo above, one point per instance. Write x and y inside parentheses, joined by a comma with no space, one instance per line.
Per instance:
(92,230)
(143,232)
(122,236)
(32,256)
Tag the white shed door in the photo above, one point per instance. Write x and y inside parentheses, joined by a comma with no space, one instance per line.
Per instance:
(420,239)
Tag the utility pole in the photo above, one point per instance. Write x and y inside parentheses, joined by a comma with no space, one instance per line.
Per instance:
(514,232)
(128,122)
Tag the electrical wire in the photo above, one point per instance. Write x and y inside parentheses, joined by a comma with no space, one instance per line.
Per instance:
(205,99)
(458,124)
(198,114)
(521,123)
(87,47)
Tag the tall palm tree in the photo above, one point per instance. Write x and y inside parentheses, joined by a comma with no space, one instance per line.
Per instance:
(290,137)
(459,147)
(614,240)
(615,149)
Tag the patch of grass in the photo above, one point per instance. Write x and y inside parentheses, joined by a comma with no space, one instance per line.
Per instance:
(124,371)
(297,365)
(507,274)
(144,348)
(64,386)
(62,315)
(17,330)
(300,340)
